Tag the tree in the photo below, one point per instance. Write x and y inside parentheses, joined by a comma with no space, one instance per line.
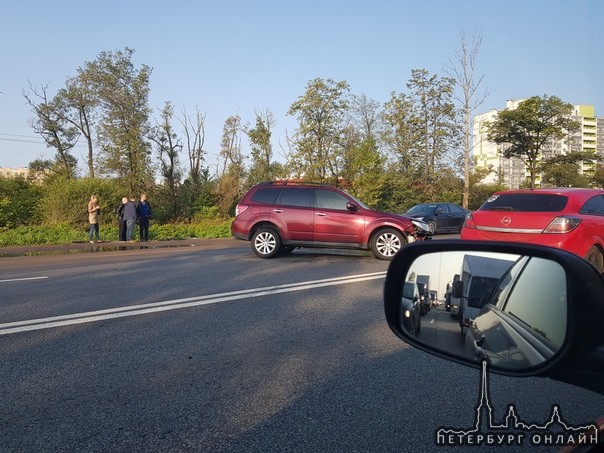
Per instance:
(262,167)
(194,132)
(525,130)
(122,92)
(321,113)
(363,162)
(564,170)
(598,177)
(230,187)
(168,148)
(399,134)
(434,118)
(59,134)
(79,109)
(463,71)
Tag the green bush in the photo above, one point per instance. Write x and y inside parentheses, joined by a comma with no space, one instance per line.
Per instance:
(19,203)
(67,200)
(64,233)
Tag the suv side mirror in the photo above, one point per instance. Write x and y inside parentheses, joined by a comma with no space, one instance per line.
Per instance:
(542,315)
(352,207)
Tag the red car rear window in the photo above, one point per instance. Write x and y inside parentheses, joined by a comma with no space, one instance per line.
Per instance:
(525,202)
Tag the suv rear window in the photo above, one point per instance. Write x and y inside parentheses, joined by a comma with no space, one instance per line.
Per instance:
(525,202)
(265,196)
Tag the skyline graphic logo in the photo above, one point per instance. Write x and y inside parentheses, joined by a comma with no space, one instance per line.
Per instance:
(554,431)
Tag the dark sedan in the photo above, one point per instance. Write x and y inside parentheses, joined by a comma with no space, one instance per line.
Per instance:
(442,217)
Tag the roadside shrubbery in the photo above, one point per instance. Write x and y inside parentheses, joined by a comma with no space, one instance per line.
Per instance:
(65,234)
(55,212)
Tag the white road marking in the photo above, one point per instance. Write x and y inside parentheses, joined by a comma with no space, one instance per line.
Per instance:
(22,279)
(135,310)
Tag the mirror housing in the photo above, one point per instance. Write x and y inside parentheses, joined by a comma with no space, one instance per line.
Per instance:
(352,207)
(579,359)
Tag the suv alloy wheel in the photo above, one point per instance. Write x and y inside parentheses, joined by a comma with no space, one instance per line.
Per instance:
(386,243)
(266,242)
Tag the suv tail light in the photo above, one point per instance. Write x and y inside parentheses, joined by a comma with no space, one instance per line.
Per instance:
(240,208)
(562,225)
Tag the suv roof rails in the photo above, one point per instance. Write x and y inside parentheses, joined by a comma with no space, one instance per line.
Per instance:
(294,182)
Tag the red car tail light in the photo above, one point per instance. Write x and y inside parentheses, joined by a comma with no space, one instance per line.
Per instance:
(562,225)
(469,222)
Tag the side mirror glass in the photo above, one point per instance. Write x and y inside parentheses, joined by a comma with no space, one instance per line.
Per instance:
(508,309)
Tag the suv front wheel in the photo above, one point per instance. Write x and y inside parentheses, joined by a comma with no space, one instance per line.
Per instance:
(266,243)
(385,243)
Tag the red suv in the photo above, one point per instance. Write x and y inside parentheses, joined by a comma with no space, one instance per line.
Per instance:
(280,216)
(568,218)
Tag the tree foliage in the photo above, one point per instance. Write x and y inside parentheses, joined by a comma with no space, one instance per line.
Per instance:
(20,203)
(122,92)
(230,185)
(321,113)
(262,166)
(50,123)
(525,130)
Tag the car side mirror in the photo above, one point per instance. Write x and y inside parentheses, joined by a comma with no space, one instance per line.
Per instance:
(527,310)
(352,207)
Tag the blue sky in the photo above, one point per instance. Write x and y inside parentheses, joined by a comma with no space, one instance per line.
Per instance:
(234,57)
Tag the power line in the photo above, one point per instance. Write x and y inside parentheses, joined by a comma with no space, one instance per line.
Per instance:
(39,142)
(30,139)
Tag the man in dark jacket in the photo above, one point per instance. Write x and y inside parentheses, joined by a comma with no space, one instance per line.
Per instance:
(144,214)
(130,218)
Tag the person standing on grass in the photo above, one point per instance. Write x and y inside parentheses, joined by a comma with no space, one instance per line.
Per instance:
(130,218)
(144,214)
(121,224)
(93,218)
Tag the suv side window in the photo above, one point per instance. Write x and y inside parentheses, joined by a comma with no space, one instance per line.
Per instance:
(295,197)
(266,196)
(329,199)
(593,206)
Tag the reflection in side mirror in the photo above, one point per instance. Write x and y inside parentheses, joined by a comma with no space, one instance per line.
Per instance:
(508,309)
(457,288)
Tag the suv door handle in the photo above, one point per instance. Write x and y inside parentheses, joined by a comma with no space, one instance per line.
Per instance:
(322,214)
(278,211)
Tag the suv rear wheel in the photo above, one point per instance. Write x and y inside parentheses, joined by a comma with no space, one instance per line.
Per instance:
(385,243)
(266,242)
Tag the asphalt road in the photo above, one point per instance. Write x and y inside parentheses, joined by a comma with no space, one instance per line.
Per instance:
(211,349)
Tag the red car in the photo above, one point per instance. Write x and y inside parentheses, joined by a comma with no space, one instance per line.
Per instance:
(568,218)
(280,216)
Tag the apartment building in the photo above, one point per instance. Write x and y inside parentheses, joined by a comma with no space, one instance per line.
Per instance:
(8,172)
(513,172)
